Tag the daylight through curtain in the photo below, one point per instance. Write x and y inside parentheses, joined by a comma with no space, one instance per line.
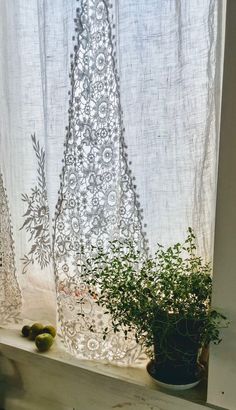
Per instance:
(109,129)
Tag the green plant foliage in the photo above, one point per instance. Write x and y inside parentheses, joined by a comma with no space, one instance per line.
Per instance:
(151,295)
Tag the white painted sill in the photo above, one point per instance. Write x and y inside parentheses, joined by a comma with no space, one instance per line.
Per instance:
(64,382)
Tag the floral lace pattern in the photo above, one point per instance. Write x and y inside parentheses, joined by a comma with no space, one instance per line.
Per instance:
(36,221)
(10,295)
(97,201)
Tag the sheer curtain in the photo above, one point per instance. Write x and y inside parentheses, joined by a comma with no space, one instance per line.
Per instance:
(109,128)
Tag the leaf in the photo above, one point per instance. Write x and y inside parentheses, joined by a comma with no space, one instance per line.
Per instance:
(33,248)
(27,222)
(26,263)
(25,197)
(27,212)
(38,229)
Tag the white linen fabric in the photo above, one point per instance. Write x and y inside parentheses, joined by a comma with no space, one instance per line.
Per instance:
(109,128)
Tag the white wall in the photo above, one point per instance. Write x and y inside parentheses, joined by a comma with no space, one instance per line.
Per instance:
(222,369)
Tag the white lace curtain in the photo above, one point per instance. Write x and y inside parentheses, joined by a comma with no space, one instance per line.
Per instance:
(109,128)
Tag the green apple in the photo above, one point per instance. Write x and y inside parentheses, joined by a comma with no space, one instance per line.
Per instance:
(35,330)
(44,341)
(50,329)
(25,330)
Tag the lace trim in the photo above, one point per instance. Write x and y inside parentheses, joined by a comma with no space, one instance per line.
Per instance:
(97,199)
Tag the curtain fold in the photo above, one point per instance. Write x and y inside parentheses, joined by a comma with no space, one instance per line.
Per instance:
(109,128)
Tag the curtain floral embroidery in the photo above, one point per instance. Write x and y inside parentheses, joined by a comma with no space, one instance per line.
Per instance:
(36,217)
(10,295)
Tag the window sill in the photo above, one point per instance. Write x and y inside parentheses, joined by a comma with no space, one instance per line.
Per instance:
(71,383)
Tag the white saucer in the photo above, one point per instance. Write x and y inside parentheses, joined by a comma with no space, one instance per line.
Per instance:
(176,387)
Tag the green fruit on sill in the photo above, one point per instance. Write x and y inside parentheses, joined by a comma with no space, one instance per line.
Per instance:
(50,329)
(44,341)
(35,330)
(25,330)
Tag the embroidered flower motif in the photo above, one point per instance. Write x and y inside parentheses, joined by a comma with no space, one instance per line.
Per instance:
(65,268)
(69,159)
(95,201)
(100,60)
(103,132)
(91,157)
(100,10)
(60,226)
(107,154)
(111,198)
(75,224)
(75,245)
(102,109)
(100,86)
(71,203)
(93,344)
(108,176)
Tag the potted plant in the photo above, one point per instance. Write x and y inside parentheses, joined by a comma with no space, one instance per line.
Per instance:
(165,300)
